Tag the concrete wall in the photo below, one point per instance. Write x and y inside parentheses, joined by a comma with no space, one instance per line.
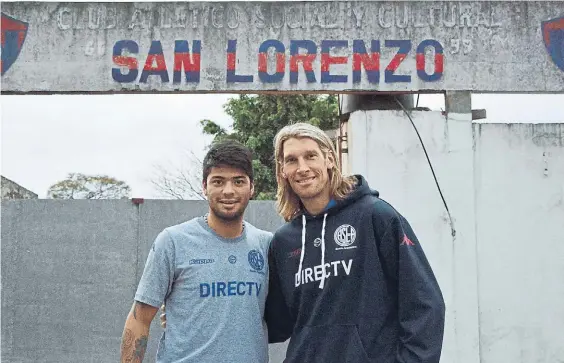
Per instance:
(70,270)
(519,178)
(504,186)
(507,46)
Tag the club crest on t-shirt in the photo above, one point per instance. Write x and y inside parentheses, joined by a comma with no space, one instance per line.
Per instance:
(256,260)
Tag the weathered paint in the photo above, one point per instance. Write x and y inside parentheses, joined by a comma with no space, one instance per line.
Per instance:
(497,46)
(12,39)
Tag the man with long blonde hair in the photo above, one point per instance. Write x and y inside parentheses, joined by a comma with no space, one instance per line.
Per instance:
(349,281)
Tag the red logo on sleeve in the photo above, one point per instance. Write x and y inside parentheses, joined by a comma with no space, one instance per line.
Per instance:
(406,241)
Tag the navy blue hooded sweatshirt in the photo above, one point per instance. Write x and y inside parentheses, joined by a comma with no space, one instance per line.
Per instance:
(379,300)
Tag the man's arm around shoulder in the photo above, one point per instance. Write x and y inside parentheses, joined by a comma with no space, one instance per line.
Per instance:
(136,332)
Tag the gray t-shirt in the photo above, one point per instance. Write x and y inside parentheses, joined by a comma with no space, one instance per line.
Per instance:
(214,289)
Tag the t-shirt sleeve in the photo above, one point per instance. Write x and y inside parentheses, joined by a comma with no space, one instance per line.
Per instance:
(156,282)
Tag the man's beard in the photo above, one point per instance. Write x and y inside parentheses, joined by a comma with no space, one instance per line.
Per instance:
(228,217)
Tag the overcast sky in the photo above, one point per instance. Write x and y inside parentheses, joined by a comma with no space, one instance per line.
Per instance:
(43,138)
(46,137)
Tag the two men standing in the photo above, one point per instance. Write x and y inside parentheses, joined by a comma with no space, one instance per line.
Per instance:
(345,278)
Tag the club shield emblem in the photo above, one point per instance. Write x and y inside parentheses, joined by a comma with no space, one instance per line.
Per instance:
(553,37)
(13,36)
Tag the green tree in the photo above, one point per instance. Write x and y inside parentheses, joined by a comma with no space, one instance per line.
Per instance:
(81,186)
(257,119)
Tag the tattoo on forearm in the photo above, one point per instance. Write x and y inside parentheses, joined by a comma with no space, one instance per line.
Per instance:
(127,340)
(133,350)
(135,306)
(140,347)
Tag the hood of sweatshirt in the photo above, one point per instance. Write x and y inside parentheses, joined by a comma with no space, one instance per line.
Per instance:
(361,189)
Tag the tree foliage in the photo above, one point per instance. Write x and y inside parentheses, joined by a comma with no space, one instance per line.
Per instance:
(81,186)
(257,119)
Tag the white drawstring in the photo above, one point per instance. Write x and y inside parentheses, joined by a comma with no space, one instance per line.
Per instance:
(303,247)
(322,283)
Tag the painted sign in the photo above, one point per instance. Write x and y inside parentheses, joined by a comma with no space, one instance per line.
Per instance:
(132,67)
(553,36)
(12,39)
(335,46)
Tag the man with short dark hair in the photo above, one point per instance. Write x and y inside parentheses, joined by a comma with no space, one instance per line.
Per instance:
(211,272)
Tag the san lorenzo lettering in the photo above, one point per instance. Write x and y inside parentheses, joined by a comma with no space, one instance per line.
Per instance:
(274,64)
